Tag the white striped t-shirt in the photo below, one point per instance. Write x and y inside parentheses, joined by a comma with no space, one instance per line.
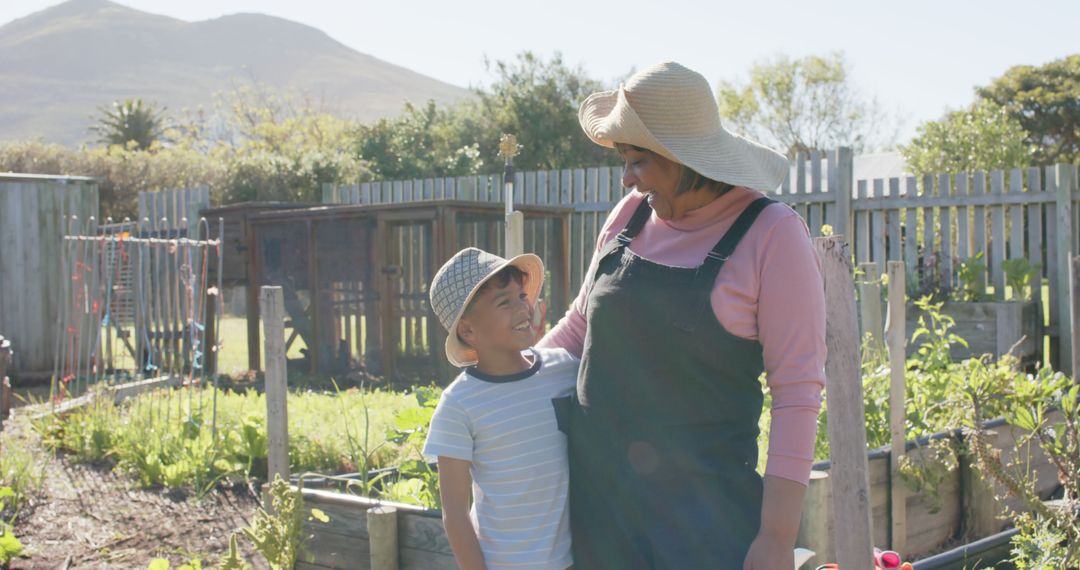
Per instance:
(505,426)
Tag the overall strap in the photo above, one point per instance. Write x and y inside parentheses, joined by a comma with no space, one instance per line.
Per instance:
(707,272)
(637,221)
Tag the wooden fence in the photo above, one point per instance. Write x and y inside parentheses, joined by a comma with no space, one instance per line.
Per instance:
(33,210)
(1023,213)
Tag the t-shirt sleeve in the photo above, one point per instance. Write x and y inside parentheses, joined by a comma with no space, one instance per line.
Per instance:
(450,433)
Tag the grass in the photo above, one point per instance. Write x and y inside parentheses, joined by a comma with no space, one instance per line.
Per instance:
(22,469)
(171,438)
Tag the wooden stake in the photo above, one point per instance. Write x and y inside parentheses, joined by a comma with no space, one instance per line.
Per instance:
(847,425)
(1074,299)
(383,536)
(897,336)
(816,526)
(272,310)
(870,304)
(515,234)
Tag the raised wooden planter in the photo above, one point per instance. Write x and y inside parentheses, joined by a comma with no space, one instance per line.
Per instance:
(967,509)
(344,542)
(988,327)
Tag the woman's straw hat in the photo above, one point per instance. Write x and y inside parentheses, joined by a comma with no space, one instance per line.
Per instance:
(670,110)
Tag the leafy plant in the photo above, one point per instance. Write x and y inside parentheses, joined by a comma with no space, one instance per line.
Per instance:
(233,560)
(971,273)
(277,536)
(10,547)
(1020,274)
(1046,406)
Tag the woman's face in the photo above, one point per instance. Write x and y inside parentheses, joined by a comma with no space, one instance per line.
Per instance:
(657,178)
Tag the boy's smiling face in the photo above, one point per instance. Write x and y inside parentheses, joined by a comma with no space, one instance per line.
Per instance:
(499,318)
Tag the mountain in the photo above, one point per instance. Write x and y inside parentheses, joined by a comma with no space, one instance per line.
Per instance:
(57,66)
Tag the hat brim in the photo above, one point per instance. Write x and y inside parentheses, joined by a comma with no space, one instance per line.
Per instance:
(461,355)
(607,118)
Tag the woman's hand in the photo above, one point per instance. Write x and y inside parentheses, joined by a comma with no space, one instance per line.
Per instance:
(539,319)
(770,553)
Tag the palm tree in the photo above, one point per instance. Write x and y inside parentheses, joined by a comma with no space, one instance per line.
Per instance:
(129,121)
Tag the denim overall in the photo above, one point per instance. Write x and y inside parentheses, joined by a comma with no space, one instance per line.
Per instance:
(663,429)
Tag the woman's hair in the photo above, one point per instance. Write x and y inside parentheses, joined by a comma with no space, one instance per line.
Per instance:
(689,179)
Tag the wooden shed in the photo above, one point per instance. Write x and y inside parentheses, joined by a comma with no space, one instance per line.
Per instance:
(235,219)
(355,278)
(32,212)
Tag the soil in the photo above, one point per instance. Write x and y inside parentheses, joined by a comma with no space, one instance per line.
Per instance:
(87,516)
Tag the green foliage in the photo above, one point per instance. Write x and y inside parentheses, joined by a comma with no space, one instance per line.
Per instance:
(257,145)
(167,439)
(1020,274)
(1046,406)
(1045,102)
(983,136)
(422,141)
(277,536)
(233,560)
(131,124)
(10,547)
(1039,545)
(535,99)
(971,273)
(22,467)
(417,483)
(163,564)
(798,105)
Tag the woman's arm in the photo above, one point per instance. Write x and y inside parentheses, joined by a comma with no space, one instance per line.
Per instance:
(455,486)
(774,546)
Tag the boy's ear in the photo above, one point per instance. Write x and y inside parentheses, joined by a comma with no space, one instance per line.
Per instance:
(465,331)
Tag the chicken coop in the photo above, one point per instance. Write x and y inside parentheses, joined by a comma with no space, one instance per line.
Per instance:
(355,279)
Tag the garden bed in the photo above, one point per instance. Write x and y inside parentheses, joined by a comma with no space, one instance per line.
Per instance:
(964,509)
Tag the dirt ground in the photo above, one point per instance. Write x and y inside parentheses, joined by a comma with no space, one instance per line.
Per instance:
(89,517)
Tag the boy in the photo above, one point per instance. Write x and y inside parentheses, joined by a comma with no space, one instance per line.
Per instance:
(494,431)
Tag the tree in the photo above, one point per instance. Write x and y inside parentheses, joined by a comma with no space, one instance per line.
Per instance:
(538,101)
(422,141)
(798,105)
(534,99)
(131,124)
(1045,101)
(982,137)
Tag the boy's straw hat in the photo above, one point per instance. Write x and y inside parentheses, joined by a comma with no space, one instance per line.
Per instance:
(456,283)
(671,110)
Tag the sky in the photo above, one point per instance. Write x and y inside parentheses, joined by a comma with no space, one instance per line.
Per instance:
(919,58)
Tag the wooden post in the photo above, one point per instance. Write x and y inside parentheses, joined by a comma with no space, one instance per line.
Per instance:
(272,309)
(515,234)
(816,526)
(5,385)
(897,405)
(841,173)
(870,304)
(210,340)
(1074,297)
(383,537)
(1064,239)
(847,423)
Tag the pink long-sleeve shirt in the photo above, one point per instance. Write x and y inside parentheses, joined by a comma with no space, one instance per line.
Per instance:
(770,290)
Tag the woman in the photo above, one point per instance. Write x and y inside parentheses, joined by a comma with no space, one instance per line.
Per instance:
(698,285)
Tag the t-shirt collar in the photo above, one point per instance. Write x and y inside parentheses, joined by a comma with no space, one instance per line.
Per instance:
(501,379)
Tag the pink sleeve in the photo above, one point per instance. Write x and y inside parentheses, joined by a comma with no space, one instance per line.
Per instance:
(569,332)
(791,329)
